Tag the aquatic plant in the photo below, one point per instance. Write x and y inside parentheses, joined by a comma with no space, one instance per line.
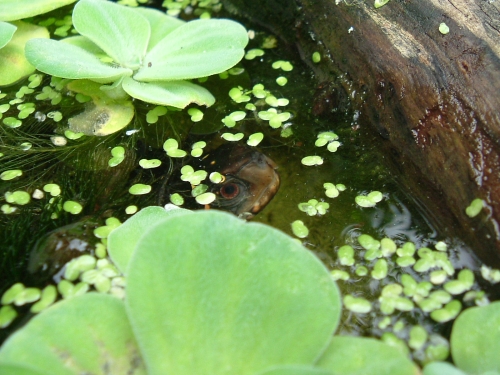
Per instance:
(141,52)
(204,295)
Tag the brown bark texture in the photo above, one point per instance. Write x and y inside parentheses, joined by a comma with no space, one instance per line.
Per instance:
(434,98)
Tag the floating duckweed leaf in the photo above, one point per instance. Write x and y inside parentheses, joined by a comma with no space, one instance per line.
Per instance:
(216,177)
(72,207)
(72,135)
(275,102)
(52,189)
(139,189)
(312,160)
(4,108)
(369,200)
(171,146)
(361,271)
(78,265)
(177,199)
(199,144)
(339,275)
(68,289)
(233,137)
(11,174)
(418,337)
(130,210)
(205,198)
(12,122)
(149,163)
(27,295)
(357,305)
(282,81)
(275,119)
(7,315)
(17,197)
(316,57)
(237,94)
(259,91)
(25,146)
(331,190)
(196,152)
(255,138)
(153,114)
(47,298)
(299,229)
(324,137)
(333,146)
(253,53)
(380,3)
(475,207)
(346,255)
(283,65)
(368,242)
(196,114)
(379,271)
(441,246)
(118,154)
(231,119)
(438,277)
(387,246)
(443,28)
(10,294)
(198,190)
(491,275)
(8,209)
(447,313)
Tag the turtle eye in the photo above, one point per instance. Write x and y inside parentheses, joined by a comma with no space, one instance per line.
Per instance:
(229,190)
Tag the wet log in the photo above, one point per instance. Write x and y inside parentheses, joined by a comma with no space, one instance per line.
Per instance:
(433,98)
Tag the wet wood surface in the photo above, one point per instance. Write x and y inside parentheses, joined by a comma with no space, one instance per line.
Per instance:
(434,99)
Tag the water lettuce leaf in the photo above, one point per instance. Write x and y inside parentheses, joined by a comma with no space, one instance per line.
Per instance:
(11,10)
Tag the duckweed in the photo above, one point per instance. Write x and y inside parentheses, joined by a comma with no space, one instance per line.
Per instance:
(313,207)
(275,119)
(72,207)
(177,199)
(196,114)
(72,135)
(283,65)
(231,119)
(369,200)
(316,57)
(130,210)
(417,337)
(380,3)
(361,271)
(53,189)
(443,28)
(233,137)
(8,209)
(205,198)
(118,155)
(368,242)
(171,146)
(10,174)
(255,138)
(7,315)
(441,246)
(139,189)
(312,160)
(67,289)
(405,261)
(357,305)
(380,269)
(448,312)
(216,177)
(474,208)
(149,163)
(259,91)
(282,81)
(299,229)
(55,115)
(153,114)
(193,177)
(238,95)
(491,275)
(346,255)
(12,122)
(17,197)
(339,275)
(253,53)
(324,138)
(47,297)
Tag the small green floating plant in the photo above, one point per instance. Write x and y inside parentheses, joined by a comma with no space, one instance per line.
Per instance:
(141,53)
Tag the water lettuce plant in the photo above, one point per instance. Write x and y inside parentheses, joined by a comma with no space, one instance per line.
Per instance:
(206,293)
(11,10)
(141,52)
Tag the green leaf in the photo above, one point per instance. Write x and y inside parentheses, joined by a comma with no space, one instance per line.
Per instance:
(208,293)
(122,240)
(66,60)
(13,63)
(161,24)
(118,30)
(11,10)
(176,93)
(364,356)
(475,339)
(85,334)
(196,49)
(17,369)
(84,43)
(441,368)
(295,370)
(7,31)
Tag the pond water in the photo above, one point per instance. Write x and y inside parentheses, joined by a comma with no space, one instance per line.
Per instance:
(80,168)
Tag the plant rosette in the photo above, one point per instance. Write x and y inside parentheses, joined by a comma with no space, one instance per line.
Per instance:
(141,52)
(205,298)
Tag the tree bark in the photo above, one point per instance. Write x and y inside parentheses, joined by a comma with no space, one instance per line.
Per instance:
(434,98)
